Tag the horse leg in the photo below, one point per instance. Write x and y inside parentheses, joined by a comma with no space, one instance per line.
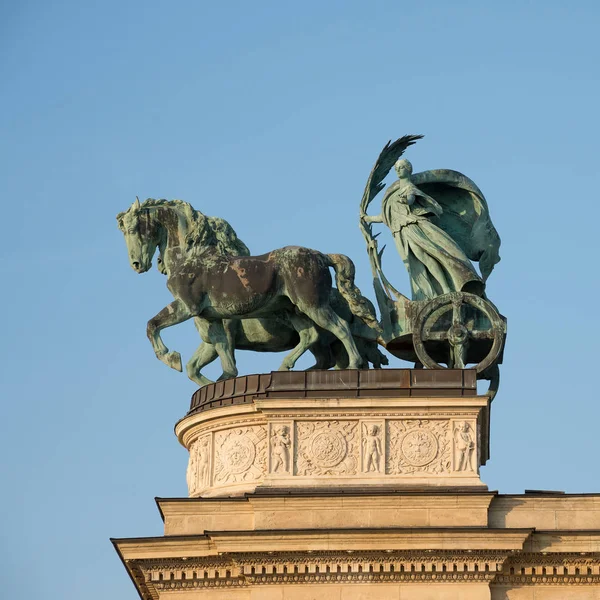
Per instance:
(323,355)
(172,314)
(308,336)
(325,317)
(340,356)
(204,355)
(225,350)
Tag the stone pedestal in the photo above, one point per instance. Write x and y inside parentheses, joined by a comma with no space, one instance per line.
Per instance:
(346,429)
(357,485)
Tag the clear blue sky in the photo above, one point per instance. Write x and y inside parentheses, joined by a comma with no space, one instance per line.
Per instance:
(269,114)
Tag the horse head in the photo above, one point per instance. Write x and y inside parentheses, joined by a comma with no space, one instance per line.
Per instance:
(141,233)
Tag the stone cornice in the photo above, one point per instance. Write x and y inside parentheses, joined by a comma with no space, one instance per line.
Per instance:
(245,569)
(398,539)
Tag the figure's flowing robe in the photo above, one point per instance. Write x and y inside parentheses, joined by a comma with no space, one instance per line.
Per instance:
(435,262)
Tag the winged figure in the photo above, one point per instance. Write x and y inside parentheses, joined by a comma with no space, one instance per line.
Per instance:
(440,223)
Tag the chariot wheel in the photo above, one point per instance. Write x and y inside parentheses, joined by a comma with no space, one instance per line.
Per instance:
(468,327)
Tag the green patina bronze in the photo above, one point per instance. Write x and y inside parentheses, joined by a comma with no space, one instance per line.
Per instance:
(440,224)
(285,298)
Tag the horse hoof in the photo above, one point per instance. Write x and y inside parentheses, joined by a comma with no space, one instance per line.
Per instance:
(173,360)
(225,376)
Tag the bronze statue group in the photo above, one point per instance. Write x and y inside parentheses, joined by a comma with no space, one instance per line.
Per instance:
(285,300)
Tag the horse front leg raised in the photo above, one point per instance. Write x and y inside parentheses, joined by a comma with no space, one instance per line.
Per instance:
(172,314)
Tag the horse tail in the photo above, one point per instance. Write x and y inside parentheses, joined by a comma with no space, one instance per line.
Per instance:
(344,279)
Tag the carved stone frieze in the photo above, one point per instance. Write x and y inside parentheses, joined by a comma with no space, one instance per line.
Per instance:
(282,444)
(240,454)
(326,448)
(419,446)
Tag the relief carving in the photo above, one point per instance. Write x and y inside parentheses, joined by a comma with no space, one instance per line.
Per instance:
(240,454)
(280,449)
(191,474)
(419,446)
(326,448)
(464,446)
(372,448)
(198,466)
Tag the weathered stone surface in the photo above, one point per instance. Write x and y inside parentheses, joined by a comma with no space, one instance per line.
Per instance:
(253,548)
(271,512)
(310,444)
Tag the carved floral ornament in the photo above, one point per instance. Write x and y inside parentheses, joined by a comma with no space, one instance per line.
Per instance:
(240,454)
(327,448)
(419,445)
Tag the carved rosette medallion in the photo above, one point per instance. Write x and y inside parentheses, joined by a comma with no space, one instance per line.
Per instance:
(240,454)
(419,446)
(237,454)
(326,448)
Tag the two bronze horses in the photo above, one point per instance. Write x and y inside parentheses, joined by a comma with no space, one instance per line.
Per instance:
(277,301)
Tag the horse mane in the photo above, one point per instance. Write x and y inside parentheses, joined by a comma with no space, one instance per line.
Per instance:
(204,231)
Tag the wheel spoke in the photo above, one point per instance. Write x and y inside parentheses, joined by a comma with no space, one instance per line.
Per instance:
(456,312)
(435,336)
(460,351)
(482,334)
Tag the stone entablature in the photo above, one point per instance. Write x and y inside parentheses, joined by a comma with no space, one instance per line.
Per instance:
(561,521)
(335,442)
(471,562)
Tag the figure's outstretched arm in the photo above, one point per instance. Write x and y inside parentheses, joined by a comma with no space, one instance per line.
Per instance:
(375,219)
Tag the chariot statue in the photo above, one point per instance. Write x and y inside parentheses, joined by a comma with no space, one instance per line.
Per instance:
(285,299)
(441,226)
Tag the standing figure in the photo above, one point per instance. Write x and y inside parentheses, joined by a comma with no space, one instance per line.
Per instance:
(203,458)
(280,449)
(372,450)
(192,470)
(435,262)
(464,447)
